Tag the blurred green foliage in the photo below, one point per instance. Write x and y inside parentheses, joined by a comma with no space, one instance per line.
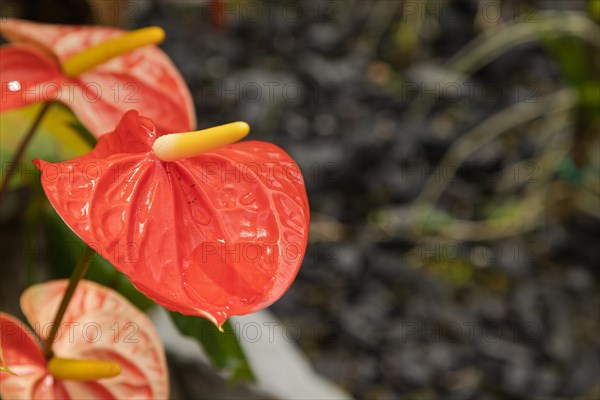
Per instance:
(222,347)
(59,137)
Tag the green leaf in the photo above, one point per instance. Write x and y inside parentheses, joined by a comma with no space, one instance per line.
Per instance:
(573,57)
(594,9)
(30,223)
(59,137)
(222,347)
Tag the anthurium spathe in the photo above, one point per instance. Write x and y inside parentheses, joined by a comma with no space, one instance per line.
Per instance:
(108,349)
(3,367)
(99,72)
(217,234)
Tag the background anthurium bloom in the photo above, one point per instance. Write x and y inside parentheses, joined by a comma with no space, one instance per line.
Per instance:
(99,324)
(145,79)
(219,234)
(3,367)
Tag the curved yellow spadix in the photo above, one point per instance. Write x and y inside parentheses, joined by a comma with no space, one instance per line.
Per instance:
(178,146)
(100,53)
(82,370)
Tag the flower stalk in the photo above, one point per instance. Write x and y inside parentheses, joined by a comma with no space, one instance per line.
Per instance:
(12,166)
(76,276)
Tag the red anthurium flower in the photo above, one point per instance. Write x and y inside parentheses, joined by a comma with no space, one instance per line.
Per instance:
(3,367)
(107,348)
(218,234)
(98,72)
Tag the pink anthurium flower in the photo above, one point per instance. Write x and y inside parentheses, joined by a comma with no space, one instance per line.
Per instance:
(107,348)
(99,72)
(216,234)
(3,367)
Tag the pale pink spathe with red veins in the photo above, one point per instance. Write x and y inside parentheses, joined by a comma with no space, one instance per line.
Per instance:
(99,324)
(144,80)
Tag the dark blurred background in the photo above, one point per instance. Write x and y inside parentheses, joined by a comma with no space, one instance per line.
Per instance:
(451,155)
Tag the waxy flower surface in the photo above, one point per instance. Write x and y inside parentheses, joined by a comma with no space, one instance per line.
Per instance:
(218,234)
(3,367)
(102,334)
(52,63)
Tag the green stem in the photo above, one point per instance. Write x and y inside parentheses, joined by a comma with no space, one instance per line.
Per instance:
(115,280)
(12,166)
(76,277)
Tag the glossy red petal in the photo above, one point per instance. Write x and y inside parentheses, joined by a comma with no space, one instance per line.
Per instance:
(24,357)
(27,76)
(102,97)
(217,235)
(100,324)
(145,79)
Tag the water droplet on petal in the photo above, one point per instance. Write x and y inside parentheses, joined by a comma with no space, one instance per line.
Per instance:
(228,197)
(248,199)
(14,86)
